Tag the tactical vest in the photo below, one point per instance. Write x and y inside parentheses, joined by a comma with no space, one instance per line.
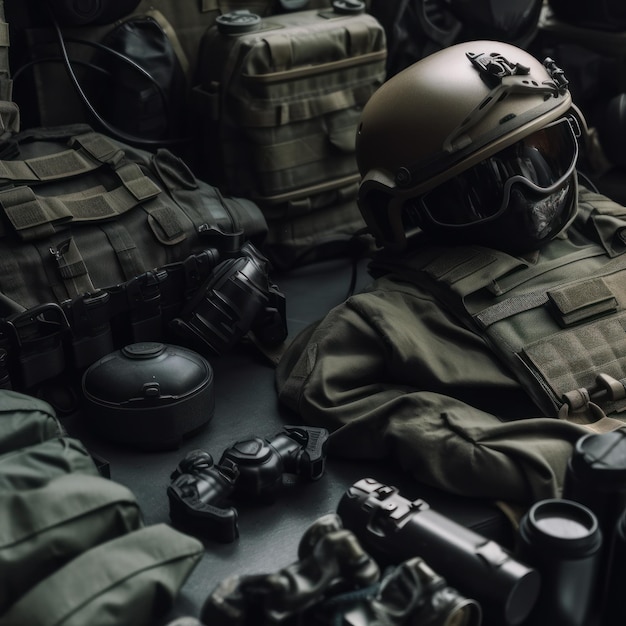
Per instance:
(558,320)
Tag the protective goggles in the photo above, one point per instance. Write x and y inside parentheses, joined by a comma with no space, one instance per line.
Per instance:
(542,162)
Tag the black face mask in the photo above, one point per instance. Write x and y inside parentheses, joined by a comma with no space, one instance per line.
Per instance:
(531,220)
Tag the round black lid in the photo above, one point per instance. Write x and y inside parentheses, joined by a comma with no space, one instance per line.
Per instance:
(348,6)
(561,527)
(146,373)
(237,22)
(600,458)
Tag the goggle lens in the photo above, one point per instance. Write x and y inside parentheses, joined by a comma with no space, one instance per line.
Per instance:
(542,161)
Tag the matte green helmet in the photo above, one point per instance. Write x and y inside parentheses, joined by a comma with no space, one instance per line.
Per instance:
(472,143)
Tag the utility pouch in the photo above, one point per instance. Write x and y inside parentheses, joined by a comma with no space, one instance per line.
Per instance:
(277,105)
(558,324)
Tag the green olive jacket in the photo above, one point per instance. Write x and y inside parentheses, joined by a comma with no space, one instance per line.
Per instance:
(399,372)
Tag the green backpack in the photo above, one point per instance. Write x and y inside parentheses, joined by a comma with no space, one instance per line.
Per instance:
(278,102)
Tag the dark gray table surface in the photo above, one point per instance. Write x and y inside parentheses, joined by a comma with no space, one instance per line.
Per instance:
(246,405)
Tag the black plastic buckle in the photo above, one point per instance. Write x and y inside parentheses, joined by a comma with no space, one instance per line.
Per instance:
(229,243)
(315,443)
(5,375)
(270,327)
(184,278)
(144,302)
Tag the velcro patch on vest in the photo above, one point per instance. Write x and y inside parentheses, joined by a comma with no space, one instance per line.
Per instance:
(572,359)
(573,304)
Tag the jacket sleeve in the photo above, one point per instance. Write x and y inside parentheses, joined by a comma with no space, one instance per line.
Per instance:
(392,376)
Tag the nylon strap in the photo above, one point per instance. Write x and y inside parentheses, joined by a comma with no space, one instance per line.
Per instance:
(290,154)
(507,282)
(170,231)
(125,248)
(34,216)
(73,270)
(359,37)
(174,40)
(45,250)
(6,84)
(88,152)
(463,268)
(288,112)
(519,304)
(4,35)
(279,47)
(510,307)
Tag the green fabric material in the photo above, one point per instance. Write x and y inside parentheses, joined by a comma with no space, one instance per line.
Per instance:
(277,109)
(84,229)
(287,100)
(393,377)
(73,546)
(131,580)
(34,466)
(44,528)
(25,420)
(395,374)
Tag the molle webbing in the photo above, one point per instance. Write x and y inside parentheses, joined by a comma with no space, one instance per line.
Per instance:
(280,106)
(557,337)
(72,276)
(570,304)
(82,211)
(5,73)
(34,216)
(576,331)
(572,359)
(45,340)
(283,113)
(86,153)
(9,111)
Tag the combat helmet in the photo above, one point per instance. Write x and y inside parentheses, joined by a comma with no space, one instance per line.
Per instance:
(473,143)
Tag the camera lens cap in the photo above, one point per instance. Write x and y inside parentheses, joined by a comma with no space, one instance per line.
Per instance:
(561,527)
(600,458)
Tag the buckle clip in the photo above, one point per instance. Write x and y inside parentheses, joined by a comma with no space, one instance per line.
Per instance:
(90,321)
(144,302)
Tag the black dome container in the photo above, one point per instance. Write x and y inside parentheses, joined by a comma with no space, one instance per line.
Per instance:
(149,395)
